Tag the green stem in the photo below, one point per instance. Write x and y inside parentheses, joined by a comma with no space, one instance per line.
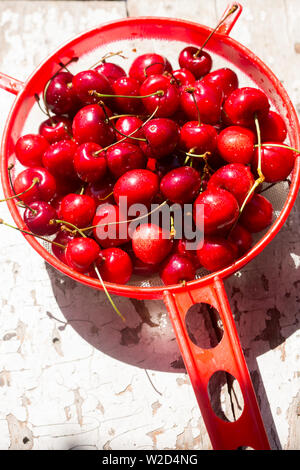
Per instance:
(108,294)
(33,234)
(104,95)
(278,145)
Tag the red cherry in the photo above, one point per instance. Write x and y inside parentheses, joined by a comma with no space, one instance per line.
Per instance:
(276,162)
(90,80)
(109,225)
(216,253)
(139,267)
(162,167)
(177,268)
(139,186)
(273,128)
(208,101)
(151,243)
(114,265)
(225,79)
(89,126)
(235,178)
(30,149)
(55,129)
(78,209)
(199,138)
(181,247)
(257,214)
(111,71)
(199,64)
(183,76)
(167,97)
(127,86)
(63,238)
(244,103)
(181,185)
(43,190)
(101,191)
(162,137)
(58,159)
(220,210)
(123,157)
(127,125)
(39,217)
(60,95)
(241,238)
(236,144)
(81,253)
(90,166)
(146,65)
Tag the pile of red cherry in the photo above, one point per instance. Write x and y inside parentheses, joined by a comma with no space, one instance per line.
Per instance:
(153,135)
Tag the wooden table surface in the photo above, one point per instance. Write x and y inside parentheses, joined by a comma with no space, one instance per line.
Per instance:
(71,374)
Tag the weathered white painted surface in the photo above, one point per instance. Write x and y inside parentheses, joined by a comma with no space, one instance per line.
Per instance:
(71,374)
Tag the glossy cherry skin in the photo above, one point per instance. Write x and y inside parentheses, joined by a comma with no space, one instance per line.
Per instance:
(199,65)
(77,209)
(43,190)
(108,231)
(176,269)
(90,80)
(30,149)
(241,238)
(273,128)
(131,87)
(89,125)
(198,138)
(276,162)
(181,185)
(101,191)
(55,129)
(220,210)
(139,267)
(90,166)
(236,144)
(60,95)
(111,71)
(58,159)
(235,178)
(224,79)
(162,136)
(208,100)
(149,64)
(123,157)
(39,217)
(63,238)
(114,265)
(127,125)
(243,104)
(168,103)
(151,243)
(183,77)
(216,253)
(81,253)
(181,247)
(257,214)
(138,186)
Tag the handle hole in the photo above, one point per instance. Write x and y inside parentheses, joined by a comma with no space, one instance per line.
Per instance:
(204,325)
(225,396)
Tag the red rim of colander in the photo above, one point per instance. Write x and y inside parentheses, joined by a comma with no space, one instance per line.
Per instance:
(157,291)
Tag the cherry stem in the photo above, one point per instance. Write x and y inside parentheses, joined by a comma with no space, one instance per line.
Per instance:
(278,145)
(108,294)
(34,182)
(172,229)
(150,65)
(113,126)
(10,167)
(129,135)
(103,95)
(46,112)
(108,56)
(125,221)
(117,116)
(197,107)
(68,224)
(230,12)
(33,234)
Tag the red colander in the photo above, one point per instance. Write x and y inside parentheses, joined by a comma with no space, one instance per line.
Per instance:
(151,34)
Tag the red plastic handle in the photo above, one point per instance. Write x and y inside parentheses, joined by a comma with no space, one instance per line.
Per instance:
(248,430)
(10,84)
(226,27)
